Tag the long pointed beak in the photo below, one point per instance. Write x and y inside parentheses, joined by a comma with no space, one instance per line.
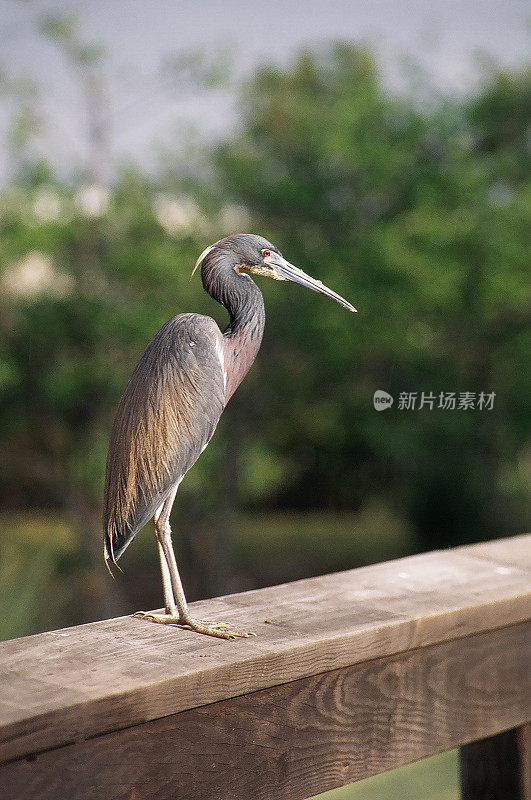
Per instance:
(288,272)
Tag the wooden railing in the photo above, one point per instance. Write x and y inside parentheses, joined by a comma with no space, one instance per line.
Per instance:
(349,675)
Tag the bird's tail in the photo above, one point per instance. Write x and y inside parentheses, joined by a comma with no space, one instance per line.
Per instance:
(115,543)
(118,534)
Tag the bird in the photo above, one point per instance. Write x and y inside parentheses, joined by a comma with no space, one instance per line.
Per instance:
(173,402)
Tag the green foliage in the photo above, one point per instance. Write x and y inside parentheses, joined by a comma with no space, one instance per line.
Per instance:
(84,296)
(403,212)
(417,217)
(38,573)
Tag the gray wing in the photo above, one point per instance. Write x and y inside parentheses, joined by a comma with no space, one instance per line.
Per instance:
(166,417)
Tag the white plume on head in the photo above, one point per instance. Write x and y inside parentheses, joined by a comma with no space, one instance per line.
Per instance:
(203,255)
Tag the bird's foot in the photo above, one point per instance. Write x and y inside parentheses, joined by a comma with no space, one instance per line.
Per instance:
(221,630)
(163,619)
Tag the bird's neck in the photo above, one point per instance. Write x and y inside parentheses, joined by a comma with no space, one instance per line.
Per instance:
(243,300)
(243,335)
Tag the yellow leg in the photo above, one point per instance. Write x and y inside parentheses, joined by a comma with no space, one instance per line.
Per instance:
(221,630)
(175,603)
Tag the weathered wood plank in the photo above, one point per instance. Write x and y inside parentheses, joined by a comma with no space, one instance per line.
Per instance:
(514,551)
(64,686)
(498,767)
(291,741)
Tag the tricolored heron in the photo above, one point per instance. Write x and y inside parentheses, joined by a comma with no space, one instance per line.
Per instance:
(173,402)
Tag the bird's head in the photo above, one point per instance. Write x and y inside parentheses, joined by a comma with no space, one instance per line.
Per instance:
(246,252)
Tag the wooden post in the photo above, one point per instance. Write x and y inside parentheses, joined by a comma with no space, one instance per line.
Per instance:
(497,768)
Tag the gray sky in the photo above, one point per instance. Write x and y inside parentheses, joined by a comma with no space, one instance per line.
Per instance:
(444,36)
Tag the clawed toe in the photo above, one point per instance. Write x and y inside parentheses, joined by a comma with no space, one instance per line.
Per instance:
(231,629)
(220,630)
(163,619)
(220,626)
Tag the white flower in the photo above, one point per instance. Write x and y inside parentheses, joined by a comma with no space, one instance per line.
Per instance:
(93,200)
(234,218)
(47,205)
(34,275)
(179,216)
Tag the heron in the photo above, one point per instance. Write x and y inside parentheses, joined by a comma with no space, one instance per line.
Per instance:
(173,402)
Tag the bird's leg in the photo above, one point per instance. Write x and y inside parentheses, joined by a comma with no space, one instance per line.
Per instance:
(177,612)
(164,513)
(221,630)
(169,602)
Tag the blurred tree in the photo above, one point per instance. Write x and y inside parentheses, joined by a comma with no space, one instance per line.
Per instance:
(82,294)
(419,218)
(58,259)
(403,211)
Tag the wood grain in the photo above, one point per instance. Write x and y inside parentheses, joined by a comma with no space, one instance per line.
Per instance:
(65,686)
(514,551)
(291,741)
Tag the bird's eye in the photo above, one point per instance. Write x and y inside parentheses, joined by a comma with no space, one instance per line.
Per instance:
(266,253)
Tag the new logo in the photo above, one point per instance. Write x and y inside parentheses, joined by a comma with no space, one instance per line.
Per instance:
(382,400)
